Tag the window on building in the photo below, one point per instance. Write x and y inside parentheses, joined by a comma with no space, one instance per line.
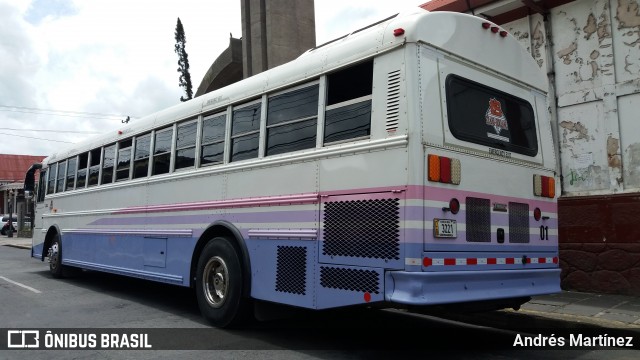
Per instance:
(94,167)
(124,160)
(245,131)
(108,162)
(141,156)
(186,145)
(348,111)
(212,148)
(71,174)
(292,119)
(81,177)
(162,151)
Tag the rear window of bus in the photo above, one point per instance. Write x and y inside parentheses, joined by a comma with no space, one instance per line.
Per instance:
(490,117)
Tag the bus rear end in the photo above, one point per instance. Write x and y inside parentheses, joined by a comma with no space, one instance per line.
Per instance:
(488,192)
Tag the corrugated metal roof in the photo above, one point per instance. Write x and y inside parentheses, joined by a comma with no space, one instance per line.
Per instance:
(14,167)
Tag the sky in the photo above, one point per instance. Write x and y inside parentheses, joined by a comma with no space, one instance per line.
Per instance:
(70,69)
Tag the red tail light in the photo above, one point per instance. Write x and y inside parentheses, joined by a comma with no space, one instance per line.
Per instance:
(443,169)
(544,186)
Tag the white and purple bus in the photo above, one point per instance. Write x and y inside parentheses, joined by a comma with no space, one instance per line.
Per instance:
(407,164)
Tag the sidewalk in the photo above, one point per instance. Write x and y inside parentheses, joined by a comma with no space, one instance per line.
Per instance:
(614,311)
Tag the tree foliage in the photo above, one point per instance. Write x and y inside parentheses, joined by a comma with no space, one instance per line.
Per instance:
(183,62)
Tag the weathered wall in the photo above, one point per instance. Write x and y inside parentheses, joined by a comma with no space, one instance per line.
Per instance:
(593,62)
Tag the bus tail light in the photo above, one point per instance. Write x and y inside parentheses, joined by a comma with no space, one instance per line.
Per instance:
(443,169)
(544,186)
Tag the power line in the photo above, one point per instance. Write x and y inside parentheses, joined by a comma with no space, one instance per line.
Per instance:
(36,138)
(62,111)
(54,131)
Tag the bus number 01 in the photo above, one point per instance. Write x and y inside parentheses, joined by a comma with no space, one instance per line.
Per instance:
(544,232)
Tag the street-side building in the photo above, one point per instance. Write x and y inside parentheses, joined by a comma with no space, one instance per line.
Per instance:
(12,172)
(590,50)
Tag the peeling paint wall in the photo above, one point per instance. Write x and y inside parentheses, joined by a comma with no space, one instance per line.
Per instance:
(595,71)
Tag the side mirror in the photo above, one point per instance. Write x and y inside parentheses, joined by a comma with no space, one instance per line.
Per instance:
(29,179)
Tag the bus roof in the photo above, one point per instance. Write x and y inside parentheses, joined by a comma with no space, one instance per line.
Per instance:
(459,34)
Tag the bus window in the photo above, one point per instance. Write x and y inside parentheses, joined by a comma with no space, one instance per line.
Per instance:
(108,161)
(245,131)
(141,156)
(94,168)
(124,160)
(162,151)
(71,174)
(81,180)
(213,139)
(62,165)
(348,111)
(508,122)
(42,183)
(51,188)
(292,120)
(186,145)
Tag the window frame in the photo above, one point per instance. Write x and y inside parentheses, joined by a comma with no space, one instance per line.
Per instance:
(154,155)
(249,133)
(177,149)
(213,115)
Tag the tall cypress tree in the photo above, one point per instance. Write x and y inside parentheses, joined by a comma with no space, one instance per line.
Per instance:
(183,62)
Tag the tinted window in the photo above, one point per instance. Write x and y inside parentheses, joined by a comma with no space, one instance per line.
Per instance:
(245,132)
(81,180)
(51,187)
(186,145)
(141,156)
(212,150)
(108,163)
(124,160)
(292,120)
(490,117)
(162,151)
(71,174)
(94,169)
(61,175)
(348,122)
(348,111)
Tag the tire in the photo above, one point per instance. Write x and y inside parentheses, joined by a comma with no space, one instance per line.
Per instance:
(219,282)
(55,257)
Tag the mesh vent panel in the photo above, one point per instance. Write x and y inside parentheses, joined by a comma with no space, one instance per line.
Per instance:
(291,273)
(349,279)
(362,228)
(478,220)
(518,223)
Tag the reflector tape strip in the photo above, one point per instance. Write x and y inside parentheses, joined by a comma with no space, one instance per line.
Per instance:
(426,262)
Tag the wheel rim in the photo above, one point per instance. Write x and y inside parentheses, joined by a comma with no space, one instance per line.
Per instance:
(53,256)
(216,281)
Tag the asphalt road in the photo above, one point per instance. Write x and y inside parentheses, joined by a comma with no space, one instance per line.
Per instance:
(31,298)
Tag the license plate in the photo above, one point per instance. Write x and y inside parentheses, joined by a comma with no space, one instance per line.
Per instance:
(445,228)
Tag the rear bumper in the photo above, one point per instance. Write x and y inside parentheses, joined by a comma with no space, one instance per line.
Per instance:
(432,288)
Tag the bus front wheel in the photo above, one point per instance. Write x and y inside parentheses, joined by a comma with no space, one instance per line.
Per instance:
(55,257)
(219,281)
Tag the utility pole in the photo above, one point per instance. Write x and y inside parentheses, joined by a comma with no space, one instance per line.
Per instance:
(11,200)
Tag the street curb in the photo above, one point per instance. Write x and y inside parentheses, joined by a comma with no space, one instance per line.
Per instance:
(17,246)
(582,319)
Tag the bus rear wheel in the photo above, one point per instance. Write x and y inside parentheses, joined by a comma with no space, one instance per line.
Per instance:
(219,282)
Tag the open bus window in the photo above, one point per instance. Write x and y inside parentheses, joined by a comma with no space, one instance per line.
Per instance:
(490,117)
(212,151)
(94,168)
(162,151)
(124,160)
(51,187)
(71,173)
(108,162)
(348,111)
(82,170)
(62,165)
(141,156)
(186,145)
(292,119)
(245,131)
